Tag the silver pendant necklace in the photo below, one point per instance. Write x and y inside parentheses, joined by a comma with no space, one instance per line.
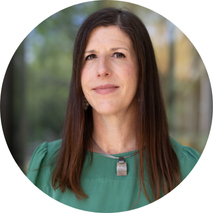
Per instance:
(121,164)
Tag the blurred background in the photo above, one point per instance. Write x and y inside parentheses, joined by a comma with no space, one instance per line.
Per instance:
(36,84)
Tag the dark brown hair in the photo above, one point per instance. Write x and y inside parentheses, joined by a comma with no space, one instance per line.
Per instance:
(161,162)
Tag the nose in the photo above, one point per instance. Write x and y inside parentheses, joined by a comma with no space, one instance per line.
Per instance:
(103,68)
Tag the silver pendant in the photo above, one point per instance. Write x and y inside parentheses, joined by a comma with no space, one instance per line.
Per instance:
(121,167)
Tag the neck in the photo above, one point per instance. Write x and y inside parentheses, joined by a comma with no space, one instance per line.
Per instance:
(114,134)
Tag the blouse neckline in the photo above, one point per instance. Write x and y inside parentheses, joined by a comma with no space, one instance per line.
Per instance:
(116,155)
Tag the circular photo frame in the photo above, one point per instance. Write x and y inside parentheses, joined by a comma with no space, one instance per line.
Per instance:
(35,87)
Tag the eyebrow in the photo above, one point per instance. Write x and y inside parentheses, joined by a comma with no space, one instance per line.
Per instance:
(117,48)
(112,49)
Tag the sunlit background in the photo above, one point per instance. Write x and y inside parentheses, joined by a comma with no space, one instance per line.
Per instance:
(36,84)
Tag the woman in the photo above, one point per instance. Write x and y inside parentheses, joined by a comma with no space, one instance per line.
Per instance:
(116,153)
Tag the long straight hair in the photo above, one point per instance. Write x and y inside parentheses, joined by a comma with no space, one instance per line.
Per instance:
(161,162)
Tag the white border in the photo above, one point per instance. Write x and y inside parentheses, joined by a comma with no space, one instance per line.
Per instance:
(18,18)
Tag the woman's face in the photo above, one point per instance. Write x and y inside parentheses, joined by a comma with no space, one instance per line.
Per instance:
(109,75)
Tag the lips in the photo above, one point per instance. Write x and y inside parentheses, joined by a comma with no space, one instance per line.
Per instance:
(105,89)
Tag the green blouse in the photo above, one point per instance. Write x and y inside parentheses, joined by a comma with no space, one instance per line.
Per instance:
(107,192)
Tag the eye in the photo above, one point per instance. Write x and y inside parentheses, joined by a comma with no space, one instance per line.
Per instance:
(90,57)
(119,55)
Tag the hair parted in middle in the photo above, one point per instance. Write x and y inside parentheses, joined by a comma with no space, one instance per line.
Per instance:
(152,131)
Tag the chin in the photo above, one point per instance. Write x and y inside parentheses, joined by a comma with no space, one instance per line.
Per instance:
(106,110)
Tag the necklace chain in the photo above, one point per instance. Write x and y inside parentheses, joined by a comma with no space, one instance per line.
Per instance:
(111,156)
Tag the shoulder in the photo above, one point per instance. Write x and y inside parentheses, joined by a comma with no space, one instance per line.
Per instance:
(187,157)
(45,151)
(42,156)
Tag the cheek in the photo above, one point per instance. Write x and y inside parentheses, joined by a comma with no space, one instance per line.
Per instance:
(85,81)
(131,75)
(131,79)
(134,73)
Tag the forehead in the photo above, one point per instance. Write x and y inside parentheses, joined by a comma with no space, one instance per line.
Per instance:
(111,35)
